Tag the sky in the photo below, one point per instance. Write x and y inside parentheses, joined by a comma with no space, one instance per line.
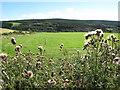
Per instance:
(66,10)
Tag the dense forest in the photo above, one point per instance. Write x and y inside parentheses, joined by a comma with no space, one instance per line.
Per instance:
(61,25)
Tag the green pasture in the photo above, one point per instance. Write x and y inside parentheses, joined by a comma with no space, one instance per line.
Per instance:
(51,41)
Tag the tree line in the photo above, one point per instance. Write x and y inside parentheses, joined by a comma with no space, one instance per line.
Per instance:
(61,25)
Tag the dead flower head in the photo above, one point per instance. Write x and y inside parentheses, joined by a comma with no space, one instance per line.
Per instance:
(52,81)
(13,41)
(30,74)
(3,55)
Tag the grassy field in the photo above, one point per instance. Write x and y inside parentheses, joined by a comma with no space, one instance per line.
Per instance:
(51,41)
(15,24)
(4,30)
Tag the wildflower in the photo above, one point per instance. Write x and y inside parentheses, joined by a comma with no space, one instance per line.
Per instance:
(30,74)
(85,57)
(113,55)
(13,41)
(14,58)
(52,81)
(23,74)
(46,74)
(86,36)
(21,45)
(3,55)
(51,60)
(17,48)
(41,48)
(98,31)
(117,58)
(51,63)
(92,33)
(78,51)
(61,45)
(38,64)
(86,45)
(111,37)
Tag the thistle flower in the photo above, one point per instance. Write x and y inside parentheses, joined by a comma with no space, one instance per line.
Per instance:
(85,46)
(111,37)
(66,80)
(23,74)
(86,36)
(98,31)
(89,34)
(85,57)
(61,45)
(46,74)
(78,51)
(51,60)
(3,55)
(21,45)
(117,58)
(52,81)
(30,74)
(51,63)
(14,58)
(17,48)
(13,41)
(113,55)
(41,48)
(38,64)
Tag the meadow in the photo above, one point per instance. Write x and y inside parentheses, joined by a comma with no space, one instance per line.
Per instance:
(65,60)
(51,41)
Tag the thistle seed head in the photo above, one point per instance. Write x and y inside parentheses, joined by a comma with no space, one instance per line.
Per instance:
(52,81)
(13,41)
(30,74)
(3,55)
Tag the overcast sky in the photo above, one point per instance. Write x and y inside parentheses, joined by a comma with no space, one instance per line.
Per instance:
(67,10)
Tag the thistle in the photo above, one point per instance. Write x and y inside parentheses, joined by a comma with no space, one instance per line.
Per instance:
(42,49)
(13,41)
(3,55)
(30,74)
(52,81)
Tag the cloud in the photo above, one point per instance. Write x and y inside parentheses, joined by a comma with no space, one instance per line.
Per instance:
(71,13)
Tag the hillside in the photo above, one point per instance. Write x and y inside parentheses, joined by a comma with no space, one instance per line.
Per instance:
(61,25)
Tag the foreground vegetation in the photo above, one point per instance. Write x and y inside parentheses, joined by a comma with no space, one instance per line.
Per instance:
(98,68)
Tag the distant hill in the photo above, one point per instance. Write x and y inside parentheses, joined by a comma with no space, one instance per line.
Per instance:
(61,25)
